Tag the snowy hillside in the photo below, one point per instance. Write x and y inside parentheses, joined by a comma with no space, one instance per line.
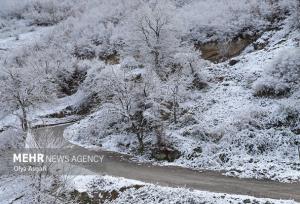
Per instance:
(200,84)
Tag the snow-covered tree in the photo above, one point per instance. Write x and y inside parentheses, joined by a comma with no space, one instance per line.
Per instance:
(152,36)
(22,89)
(131,98)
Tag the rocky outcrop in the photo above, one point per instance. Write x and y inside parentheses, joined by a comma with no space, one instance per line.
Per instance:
(219,51)
(165,153)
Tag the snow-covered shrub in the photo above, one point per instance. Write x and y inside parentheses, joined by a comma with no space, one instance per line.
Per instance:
(287,66)
(13,9)
(11,138)
(129,63)
(286,116)
(38,12)
(84,52)
(3,23)
(221,18)
(293,8)
(281,76)
(94,128)
(48,12)
(264,131)
(211,20)
(270,87)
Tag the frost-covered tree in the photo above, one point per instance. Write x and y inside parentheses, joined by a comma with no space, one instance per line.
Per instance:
(152,37)
(297,14)
(130,98)
(23,88)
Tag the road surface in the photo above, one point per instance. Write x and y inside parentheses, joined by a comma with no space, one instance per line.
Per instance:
(119,165)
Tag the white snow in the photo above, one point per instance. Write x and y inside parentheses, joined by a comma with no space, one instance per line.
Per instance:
(149,193)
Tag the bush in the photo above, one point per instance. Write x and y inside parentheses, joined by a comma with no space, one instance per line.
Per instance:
(45,13)
(282,76)
(38,12)
(84,52)
(287,65)
(270,88)
(287,116)
(11,138)
(129,63)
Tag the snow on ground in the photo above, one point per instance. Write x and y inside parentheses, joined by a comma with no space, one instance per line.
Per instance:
(38,115)
(21,190)
(131,191)
(19,35)
(233,131)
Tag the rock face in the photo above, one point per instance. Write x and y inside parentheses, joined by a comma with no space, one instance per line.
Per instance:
(220,51)
(165,154)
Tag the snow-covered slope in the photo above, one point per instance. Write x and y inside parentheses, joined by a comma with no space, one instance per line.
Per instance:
(235,130)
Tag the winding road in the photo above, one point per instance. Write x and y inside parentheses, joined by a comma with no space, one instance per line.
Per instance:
(119,165)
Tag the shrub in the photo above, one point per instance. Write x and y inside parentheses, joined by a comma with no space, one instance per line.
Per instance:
(282,75)
(38,12)
(288,116)
(84,52)
(45,13)
(270,88)
(287,66)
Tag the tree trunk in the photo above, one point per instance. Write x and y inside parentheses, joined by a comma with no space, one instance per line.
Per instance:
(141,142)
(192,68)
(299,151)
(175,110)
(24,120)
(39,187)
(158,69)
(159,131)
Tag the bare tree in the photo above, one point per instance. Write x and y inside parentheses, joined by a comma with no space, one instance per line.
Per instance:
(130,97)
(22,89)
(54,178)
(153,38)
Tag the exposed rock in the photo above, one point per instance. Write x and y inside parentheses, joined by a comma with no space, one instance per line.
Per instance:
(220,51)
(198,149)
(233,62)
(198,83)
(296,130)
(108,195)
(61,114)
(196,153)
(224,157)
(69,84)
(2,129)
(165,153)
(247,201)
(81,197)
(85,107)
(105,196)
(260,45)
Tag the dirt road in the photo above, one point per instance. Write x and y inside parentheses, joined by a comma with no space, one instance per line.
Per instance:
(119,165)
